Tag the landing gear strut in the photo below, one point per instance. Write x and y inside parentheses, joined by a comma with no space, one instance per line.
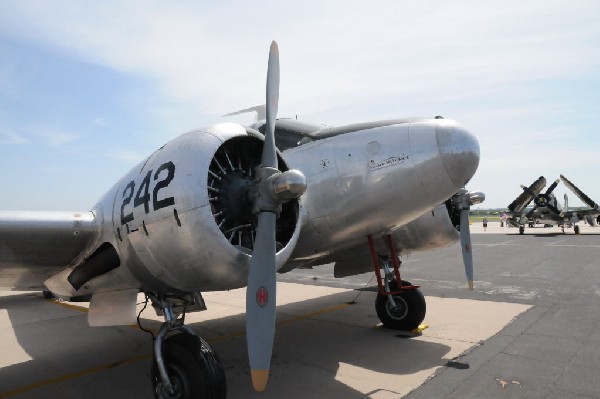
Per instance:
(185,366)
(398,308)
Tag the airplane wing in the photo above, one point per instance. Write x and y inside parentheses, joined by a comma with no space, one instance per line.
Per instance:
(36,245)
(580,194)
(581,213)
(528,194)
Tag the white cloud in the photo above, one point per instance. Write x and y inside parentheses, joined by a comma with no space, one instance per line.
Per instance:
(100,122)
(489,63)
(54,138)
(215,55)
(8,137)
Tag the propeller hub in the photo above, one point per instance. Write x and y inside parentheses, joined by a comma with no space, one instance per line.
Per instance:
(476,197)
(540,200)
(289,185)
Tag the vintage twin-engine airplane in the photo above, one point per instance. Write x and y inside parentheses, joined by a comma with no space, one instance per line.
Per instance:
(218,209)
(548,210)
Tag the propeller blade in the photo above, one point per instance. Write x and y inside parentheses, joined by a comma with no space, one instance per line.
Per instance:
(584,198)
(260,292)
(269,155)
(465,242)
(260,301)
(552,187)
(553,208)
(530,213)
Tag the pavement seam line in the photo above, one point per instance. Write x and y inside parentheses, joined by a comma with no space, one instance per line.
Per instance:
(77,374)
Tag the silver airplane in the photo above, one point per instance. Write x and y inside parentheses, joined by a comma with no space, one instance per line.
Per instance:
(225,207)
(548,210)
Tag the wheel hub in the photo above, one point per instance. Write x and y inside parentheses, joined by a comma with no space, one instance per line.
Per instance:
(178,386)
(399,311)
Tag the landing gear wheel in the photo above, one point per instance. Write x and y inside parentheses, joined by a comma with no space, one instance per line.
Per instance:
(521,229)
(576,229)
(409,312)
(193,367)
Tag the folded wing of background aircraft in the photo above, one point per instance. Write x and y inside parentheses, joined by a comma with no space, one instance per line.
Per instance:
(225,207)
(548,210)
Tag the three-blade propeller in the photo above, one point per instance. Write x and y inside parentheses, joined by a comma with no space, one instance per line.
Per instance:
(270,189)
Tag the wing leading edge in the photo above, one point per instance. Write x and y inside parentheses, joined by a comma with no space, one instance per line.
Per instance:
(36,245)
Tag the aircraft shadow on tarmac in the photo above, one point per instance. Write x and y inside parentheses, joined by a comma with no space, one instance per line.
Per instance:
(307,354)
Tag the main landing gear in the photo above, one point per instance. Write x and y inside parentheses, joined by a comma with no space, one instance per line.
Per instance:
(398,308)
(184,365)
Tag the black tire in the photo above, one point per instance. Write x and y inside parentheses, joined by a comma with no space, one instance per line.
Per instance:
(576,229)
(521,229)
(411,308)
(193,367)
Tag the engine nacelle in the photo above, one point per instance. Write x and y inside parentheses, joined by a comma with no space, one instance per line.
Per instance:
(430,231)
(181,219)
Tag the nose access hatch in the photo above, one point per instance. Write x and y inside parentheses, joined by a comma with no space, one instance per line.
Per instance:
(230,175)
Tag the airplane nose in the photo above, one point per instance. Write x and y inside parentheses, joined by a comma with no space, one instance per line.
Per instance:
(459,150)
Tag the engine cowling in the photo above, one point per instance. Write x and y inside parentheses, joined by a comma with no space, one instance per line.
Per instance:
(182,218)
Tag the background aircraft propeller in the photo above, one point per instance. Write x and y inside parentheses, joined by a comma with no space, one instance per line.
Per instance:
(544,200)
(462,202)
(270,189)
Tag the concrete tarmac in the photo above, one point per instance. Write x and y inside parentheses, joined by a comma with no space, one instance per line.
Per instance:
(530,329)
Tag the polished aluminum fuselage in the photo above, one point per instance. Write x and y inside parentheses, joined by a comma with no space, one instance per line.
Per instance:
(388,178)
(378,180)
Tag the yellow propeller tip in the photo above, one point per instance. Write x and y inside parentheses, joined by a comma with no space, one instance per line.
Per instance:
(470,285)
(259,379)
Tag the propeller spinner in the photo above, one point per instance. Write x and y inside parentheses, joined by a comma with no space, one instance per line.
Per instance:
(269,190)
(544,200)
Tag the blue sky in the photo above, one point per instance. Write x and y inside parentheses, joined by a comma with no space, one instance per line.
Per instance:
(88,88)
